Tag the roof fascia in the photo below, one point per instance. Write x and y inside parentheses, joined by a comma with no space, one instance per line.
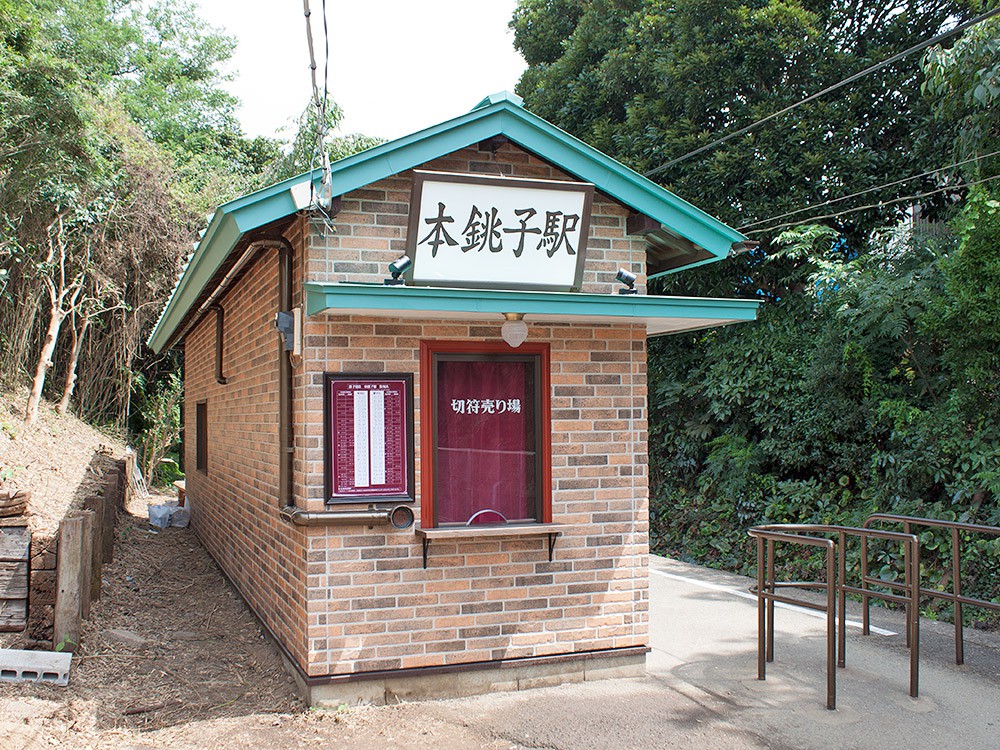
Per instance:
(222,235)
(403,299)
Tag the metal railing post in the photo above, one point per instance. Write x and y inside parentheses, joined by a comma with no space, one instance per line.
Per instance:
(956,587)
(831,628)
(761,612)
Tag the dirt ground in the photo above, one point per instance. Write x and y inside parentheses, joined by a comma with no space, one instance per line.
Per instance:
(60,459)
(172,657)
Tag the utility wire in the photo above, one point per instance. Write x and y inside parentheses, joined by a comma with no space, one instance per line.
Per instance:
(866,191)
(880,204)
(326,63)
(320,103)
(312,51)
(840,84)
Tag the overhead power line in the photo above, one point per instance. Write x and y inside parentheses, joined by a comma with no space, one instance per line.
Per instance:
(870,206)
(866,191)
(840,84)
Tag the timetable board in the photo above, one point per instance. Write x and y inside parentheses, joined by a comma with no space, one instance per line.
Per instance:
(369,437)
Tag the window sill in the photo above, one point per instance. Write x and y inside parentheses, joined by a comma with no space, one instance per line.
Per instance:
(551,530)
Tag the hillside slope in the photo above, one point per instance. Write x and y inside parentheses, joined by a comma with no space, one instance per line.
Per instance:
(59,459)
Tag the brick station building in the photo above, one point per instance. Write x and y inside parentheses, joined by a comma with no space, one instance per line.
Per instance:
(439,486)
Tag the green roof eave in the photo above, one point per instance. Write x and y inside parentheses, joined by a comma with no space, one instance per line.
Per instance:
(495,115)
(660,314)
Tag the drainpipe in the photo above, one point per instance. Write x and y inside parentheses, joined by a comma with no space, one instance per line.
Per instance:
(400,517)
(286,440)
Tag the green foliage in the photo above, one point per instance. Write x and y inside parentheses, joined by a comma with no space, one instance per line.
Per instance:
(649,80)
(870,380)
(969,315)
(116,136)
(161,416)
(963,83)
(66,644)
(874,390)
(301,156)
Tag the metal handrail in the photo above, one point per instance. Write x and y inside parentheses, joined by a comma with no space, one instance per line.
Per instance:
(836,589)
(955,596)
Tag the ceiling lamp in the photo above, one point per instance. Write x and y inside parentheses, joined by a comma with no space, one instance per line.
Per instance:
(514,330)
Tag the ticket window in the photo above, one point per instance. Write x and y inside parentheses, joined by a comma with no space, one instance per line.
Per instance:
(489,435)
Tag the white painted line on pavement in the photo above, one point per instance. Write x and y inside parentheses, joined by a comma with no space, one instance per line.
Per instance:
(751,597)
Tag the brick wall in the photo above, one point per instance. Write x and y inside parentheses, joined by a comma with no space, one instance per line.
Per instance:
(373,606)
(234,505)
(347,599)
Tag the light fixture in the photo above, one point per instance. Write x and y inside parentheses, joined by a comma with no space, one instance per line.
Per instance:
(397,268)
(514,330)
(628,279)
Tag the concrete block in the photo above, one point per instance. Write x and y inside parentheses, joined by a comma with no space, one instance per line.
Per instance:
(34,666)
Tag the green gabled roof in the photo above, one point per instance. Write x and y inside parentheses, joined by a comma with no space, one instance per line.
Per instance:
(498,114)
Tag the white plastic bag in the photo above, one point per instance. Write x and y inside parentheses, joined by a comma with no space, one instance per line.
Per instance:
(180,518)
(159,515)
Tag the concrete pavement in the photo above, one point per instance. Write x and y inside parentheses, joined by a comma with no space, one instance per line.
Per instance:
(701,689)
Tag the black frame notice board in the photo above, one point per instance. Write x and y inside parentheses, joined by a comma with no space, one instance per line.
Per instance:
(368,448)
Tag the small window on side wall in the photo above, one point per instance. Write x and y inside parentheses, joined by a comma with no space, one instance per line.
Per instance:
(201,436)
(488,429)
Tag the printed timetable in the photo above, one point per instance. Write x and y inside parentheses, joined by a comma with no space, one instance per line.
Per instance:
(368,437)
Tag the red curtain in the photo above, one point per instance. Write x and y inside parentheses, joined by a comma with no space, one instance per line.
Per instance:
(486,446)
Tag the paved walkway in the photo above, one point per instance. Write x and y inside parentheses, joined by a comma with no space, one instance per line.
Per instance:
(702,692)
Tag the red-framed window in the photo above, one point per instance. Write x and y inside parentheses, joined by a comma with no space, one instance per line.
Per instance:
(485,432)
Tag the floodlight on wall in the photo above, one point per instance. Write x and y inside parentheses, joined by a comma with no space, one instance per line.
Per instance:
(628,279)
(397,268)
(514,330)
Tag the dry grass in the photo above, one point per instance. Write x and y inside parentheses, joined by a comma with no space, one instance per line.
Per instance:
(60,459)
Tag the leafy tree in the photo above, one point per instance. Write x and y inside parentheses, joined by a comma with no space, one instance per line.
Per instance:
(869,381)
(650,80)
(301,155)
(963,83)
(114,136)
(161,424)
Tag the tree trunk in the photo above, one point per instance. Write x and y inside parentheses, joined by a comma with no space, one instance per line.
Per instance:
(56,316)
(74,357)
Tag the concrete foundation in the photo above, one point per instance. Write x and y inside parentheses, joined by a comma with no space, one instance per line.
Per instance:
(467,680)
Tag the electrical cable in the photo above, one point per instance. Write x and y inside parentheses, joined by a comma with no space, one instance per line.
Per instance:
(320,104)
(315,87)
(840,84)
(312,52)
(830,202)
(880,204)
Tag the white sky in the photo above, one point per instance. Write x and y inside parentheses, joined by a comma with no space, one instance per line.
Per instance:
(396,66)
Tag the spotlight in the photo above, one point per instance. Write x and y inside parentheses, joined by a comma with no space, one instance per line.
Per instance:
(514,331)
(397,268)
(628,279)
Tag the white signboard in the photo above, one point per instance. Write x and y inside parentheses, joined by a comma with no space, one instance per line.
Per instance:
(500,232)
